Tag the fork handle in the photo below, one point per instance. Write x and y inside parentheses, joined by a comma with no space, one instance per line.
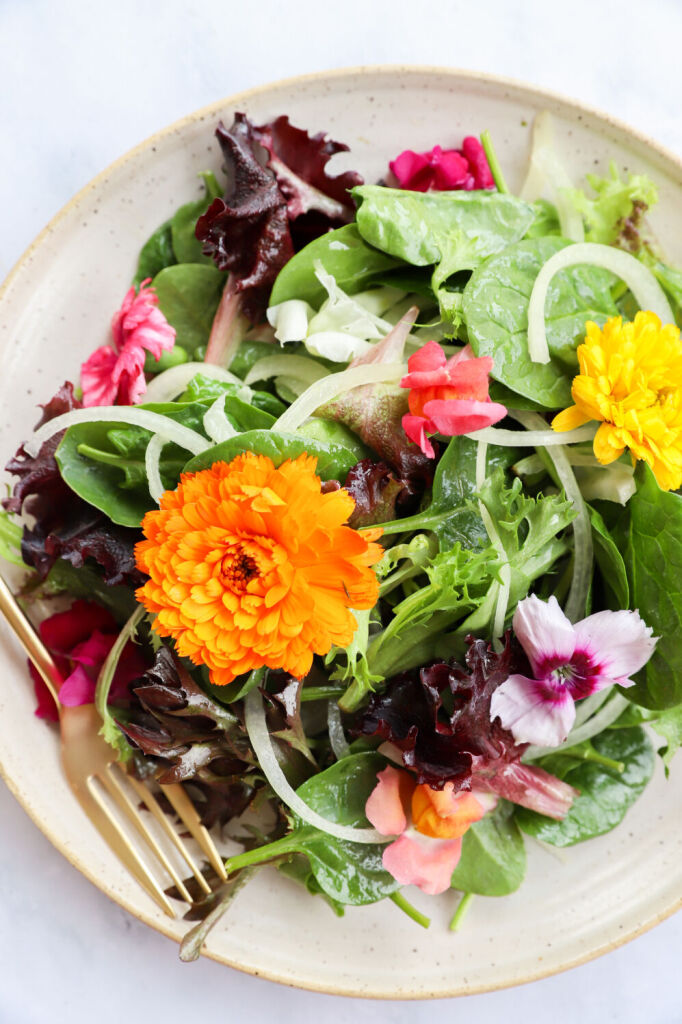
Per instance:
(28,638)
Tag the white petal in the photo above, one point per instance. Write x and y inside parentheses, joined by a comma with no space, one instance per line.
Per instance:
(620,643)
(336,345)
(532,712)
(290,320)
(544,632)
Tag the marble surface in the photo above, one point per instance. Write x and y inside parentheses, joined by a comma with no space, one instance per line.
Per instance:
(79,84)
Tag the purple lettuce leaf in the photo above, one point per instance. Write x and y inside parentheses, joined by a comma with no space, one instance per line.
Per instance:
(379,495)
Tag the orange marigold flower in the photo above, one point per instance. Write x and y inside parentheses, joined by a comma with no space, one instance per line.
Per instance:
(252,565)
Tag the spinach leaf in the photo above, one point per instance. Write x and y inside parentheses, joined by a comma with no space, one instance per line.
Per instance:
(610,562)
(186,246)
(605,794)
(343,254)
(650,539)
(671,281)
(496,314)
(331,432)
(451,230)
(249,353)
(333,460)
(156,253)
(493,861)
(668,725)
(189,294)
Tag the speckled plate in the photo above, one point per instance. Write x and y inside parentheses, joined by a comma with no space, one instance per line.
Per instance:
(55,308)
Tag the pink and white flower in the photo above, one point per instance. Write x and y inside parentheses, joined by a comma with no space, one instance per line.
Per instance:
(569,662)
(428,825)
(447,396)
(115,376)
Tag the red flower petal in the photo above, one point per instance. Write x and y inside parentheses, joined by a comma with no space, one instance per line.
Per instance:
(63,631)
(385,808)
(424,862)
(462,415)
(477,162)
(415,427)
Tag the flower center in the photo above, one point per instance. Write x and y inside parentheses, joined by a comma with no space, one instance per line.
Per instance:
(237,568)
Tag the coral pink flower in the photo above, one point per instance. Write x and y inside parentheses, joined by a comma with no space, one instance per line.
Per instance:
(569,662)
(428,823)
(447,396)
(441,170)
(115,376)
(79,640)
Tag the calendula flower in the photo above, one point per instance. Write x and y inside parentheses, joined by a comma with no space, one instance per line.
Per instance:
(428,824)
(253,566)
(444,169)
(631,380)
(115,376)
(447,396)
(569,662)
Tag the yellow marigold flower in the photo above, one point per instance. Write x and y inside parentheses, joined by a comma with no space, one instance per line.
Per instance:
(631,380)
(251,565)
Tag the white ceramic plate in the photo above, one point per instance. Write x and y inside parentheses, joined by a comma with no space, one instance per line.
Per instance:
(55,309)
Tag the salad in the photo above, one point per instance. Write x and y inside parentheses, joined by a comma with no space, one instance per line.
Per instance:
(366,524)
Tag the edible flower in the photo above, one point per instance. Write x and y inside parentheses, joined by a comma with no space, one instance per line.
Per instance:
(80,639)
(569,662)
(631,381)
(428,823)
(115,376)
(447,396)
(440,170)
(253,565)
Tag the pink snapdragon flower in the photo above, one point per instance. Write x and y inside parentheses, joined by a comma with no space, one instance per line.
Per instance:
(569,662)
(447,396)
(442,170)
(428,824)
(115,376)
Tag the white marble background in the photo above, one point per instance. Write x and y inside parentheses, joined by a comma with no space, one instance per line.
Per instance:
(81,81)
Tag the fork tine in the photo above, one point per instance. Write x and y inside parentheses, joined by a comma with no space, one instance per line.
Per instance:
(152,805)
(117,792)
(118,843)
(189,817)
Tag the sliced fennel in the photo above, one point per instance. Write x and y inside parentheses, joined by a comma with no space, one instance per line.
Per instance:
(504,586)
(152,459)
(216,423)
(541,438)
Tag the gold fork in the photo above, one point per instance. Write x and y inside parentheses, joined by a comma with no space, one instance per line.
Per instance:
(90,767)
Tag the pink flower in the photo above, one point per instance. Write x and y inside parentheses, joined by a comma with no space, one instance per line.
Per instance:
(428,823)
(569,662)
(80,639)
(441,170)
(447,396)
(115,376)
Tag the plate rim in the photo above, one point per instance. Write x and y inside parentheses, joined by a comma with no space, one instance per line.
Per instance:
(202,113)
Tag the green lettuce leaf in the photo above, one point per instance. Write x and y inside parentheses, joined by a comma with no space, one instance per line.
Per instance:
(493,861)
(615,202)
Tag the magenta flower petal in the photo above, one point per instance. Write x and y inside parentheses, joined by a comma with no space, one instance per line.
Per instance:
(419,860)
(415,427)
(93,651)
(534,711)
(619,643)
(77,689)
(385,808)
(462,415)
(97,381)
(544,632)
(477,162)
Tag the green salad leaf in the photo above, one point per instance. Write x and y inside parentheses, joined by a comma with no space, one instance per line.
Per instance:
(156,253)
(605,793)
(188,295)
(493,861)
(610,562)
(613,203)
(186,245)
(333,460)
(496,315)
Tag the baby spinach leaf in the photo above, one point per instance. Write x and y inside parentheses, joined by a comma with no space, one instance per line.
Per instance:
(610,562)
(188,295)
(668,725)
(496,314)
(343,253)
(333,460)
(451,230)
(331,432)
(156,253)
(651,542)
(248,354)
(186,245)
(493,861)
(605,794)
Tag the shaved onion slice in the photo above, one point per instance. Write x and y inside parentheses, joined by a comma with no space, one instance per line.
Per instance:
(582,528)
(152,459)
(333,385)
(216,423)
(337,737)
(152,421)
(504,586)
(546,170)
(304,369)
(261,742)
(647,291)
(534,438)
(171,383)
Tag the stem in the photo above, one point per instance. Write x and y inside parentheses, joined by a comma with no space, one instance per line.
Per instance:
(320,692)
(593,755)
(493,162)
(407,908)
(110,730)
(192,943)
(461,912)
(280,847)
(228,327)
